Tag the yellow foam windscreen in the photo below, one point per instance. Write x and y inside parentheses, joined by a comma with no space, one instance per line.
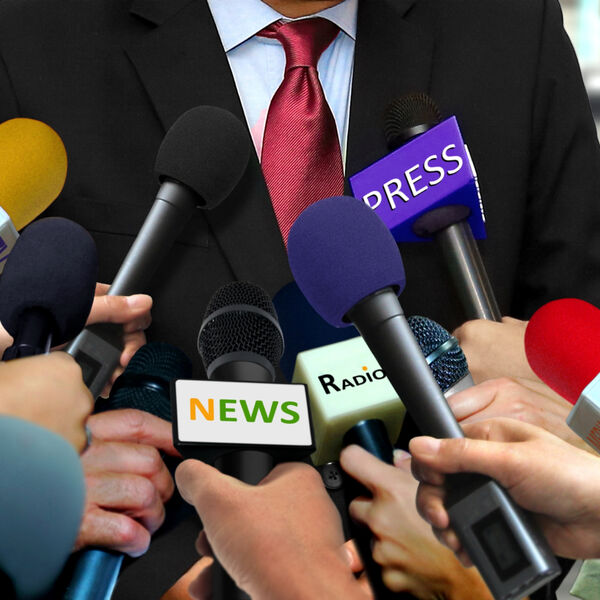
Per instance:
(33,168)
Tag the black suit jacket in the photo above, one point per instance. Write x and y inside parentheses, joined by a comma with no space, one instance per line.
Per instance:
(112,75)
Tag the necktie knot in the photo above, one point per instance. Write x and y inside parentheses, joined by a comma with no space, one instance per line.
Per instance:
(303,41)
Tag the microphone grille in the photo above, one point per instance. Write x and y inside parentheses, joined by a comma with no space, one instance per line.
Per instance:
(145,382)
(240,317)
(451,365)
(409,111)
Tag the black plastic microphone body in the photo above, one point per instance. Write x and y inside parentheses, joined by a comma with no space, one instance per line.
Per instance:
(382,324)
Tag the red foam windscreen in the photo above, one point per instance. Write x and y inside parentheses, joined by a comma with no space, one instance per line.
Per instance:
(562,345)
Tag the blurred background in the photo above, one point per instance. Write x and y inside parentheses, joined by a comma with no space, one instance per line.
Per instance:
(582,22)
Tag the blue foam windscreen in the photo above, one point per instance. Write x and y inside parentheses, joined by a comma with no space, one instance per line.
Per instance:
(341,252)
(303,329)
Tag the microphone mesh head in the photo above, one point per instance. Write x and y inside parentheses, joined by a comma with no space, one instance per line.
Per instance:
(232,323)
(406,112)
(145,382)
(451,366)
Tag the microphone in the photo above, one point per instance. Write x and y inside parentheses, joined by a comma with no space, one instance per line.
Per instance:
(560,344)
(427,189)
(303,329)
(200,160)
(443,354)
(47,288)
(240,419)
(34,169)
(42,496)
(358,283)
(92,574)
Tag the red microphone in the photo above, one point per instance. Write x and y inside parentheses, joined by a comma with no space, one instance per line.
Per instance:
(561,343)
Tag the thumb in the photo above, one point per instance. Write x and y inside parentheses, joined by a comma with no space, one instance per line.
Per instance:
(462,455)
(204,486)
(119,309)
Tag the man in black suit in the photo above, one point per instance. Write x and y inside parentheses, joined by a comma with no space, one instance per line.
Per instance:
(110,76)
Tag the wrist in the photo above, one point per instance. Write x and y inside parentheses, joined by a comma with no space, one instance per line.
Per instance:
(316,574)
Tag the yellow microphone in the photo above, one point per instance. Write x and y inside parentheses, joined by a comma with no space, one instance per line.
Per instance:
(33,169)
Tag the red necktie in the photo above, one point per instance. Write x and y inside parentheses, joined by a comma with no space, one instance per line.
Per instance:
(301,158)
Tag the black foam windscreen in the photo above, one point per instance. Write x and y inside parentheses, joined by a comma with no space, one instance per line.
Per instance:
(405,115)
(53,266)
(207,149)
(442,351)
(145,382)
(240,318)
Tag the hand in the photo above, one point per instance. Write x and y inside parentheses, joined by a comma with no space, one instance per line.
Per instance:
(280,539)
(48,390)
(412,559)
(543,474)
(522,399)
(132,311)
(495,349)
(127,482)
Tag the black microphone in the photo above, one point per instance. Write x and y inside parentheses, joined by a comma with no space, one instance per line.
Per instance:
(200,160)
(92,574)
(47,287)
(240,340)
(347,264)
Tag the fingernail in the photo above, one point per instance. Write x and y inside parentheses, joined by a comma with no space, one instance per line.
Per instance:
(425,446)
(400,456)
(137,300)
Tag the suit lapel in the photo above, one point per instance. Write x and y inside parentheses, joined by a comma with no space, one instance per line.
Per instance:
(393,57)
(181,64)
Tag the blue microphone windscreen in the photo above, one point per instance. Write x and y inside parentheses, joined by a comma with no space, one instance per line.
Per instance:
(447,363)
(42,494)
(303,329)
(53,266)
(341,252)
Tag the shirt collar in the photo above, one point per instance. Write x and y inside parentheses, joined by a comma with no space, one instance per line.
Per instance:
(239,20)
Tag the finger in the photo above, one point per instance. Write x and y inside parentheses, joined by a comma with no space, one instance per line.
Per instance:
(201,587)
(448,538)
(131,494)
(359,509)
(181,587)
(430,505)
(396,580)
(119,309)
(114,531)
(364,467)
(131,425)
(132,342)
(301,472)
(473,400)
(206,488)
(464,559)
(470,455)
(426,474)
(387,552)
(402,460)
(202,545)
(354,561)
(135,459)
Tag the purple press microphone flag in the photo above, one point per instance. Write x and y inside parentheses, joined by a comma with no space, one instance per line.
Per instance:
(430,171)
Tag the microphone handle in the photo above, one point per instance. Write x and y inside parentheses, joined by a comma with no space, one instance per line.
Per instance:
(467,270)
(97,349)
(249,466)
